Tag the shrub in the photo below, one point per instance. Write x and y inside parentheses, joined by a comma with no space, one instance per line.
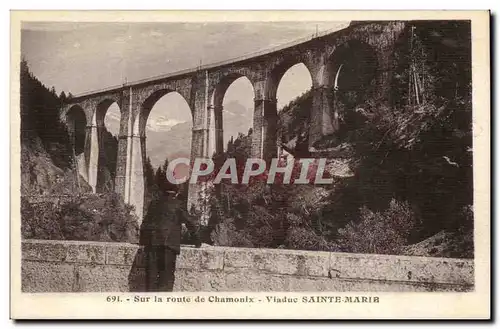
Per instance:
(91,218)
(226,234)
(379,232)
(306,239)
(99,219)
(40,221)
(463,242)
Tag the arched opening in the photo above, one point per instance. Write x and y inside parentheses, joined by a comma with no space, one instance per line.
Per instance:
(166,124)
(108,126)
(233,102)
(294,102)
(351,73)
(295,82)
(112,119)
(350,78)
(76,122)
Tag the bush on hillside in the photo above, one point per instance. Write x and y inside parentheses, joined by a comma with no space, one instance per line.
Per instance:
(302,238)
(92,218)
(40,221)
(384,232)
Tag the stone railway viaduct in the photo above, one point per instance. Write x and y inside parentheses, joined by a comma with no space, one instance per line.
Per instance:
(364,49)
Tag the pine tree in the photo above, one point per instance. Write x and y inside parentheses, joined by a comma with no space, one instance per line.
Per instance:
(149,174)
(230,145)
(159,177)
(165,166)
(40,116)
(166,183)
(63,97)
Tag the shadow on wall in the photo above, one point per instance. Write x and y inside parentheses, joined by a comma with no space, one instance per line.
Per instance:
(137,278)
(145,261)
(137,274)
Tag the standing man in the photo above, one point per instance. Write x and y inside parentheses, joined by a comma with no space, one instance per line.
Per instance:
(161,237)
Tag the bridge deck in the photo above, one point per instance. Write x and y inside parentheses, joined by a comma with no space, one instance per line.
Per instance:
(233,60)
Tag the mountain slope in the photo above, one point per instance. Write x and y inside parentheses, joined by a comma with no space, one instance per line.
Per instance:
(46,156)
(40,176)
(176,141)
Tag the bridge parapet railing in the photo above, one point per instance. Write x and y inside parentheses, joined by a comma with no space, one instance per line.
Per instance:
(213,64)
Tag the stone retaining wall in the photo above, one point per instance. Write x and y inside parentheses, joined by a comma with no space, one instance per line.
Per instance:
(75,266)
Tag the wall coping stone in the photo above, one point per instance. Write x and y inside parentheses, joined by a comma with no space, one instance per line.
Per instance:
(302,263)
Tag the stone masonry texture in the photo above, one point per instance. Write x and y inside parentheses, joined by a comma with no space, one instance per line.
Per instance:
(75,266)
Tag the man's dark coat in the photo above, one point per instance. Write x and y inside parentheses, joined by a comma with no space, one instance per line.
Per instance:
(162,224)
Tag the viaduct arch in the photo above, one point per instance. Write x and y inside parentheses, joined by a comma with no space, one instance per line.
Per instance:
(356,59)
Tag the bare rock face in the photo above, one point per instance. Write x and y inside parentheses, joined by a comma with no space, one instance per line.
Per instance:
(40,176)
(442,244)
(434,246)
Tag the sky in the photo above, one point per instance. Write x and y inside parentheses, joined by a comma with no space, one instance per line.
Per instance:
(80,57)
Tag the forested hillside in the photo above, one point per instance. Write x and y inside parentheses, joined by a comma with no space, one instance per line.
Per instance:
(46,154)
(48,170)
(411,192)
